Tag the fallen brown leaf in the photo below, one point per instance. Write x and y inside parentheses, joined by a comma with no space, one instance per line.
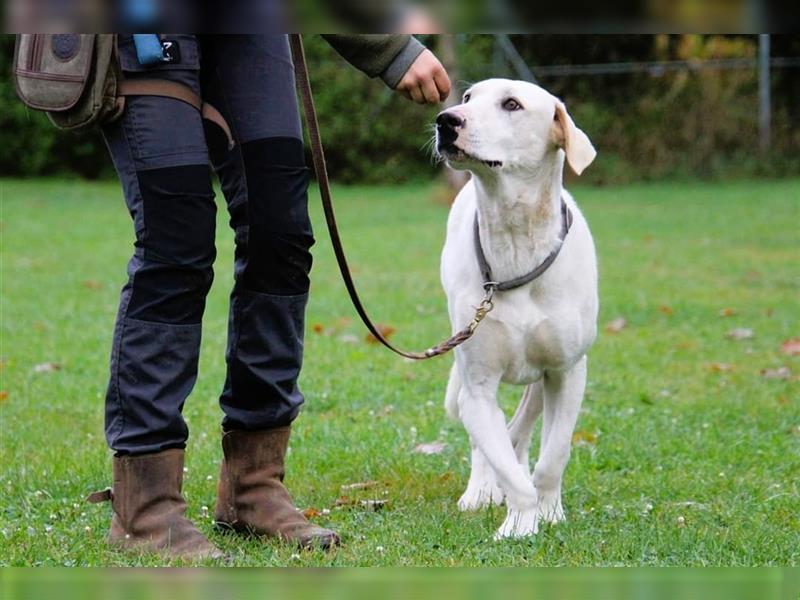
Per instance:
(783,400)
(727,312)
(667,310)
(740,333)
(720,367)
(359,485)
(92,285)
(616,325)
(385,330)
(47,367)
(779,373)
(311,513)
(791,347)
(584,438)
(3,395)
(318,328)
(430,448)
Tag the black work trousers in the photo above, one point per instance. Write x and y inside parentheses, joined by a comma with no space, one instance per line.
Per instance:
(161,149)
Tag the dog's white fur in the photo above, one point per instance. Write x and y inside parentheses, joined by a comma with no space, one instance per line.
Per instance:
(538,334)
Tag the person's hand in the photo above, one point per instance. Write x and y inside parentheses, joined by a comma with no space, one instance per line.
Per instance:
(426,81)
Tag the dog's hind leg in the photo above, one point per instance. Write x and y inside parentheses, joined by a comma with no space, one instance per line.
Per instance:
(520,428)
(451,395)
(482,489)
(563,394)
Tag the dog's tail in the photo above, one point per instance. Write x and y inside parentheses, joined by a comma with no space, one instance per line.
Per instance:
(451,395)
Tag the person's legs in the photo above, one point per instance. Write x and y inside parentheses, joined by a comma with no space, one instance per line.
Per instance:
(250,80)
(159,152)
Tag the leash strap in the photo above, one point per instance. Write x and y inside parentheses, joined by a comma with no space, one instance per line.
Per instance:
(318,157)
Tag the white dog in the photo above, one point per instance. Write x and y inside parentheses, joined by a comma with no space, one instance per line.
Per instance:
(513,137)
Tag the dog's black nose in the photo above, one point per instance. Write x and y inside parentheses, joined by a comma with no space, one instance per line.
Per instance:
(448,119)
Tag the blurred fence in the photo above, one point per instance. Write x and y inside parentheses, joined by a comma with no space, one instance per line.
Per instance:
(655,106)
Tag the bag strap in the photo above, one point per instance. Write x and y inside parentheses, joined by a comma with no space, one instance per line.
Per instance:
(177,91)
(318,156)
(159,87)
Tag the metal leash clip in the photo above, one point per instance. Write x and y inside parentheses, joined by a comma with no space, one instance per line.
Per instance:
(485,307)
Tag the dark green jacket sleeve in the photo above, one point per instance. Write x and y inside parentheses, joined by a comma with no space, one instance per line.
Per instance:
(387,56)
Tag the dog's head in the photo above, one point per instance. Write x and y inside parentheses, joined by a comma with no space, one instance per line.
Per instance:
(505,124)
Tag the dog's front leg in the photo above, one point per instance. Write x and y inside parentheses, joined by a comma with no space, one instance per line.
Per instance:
(563,394)
(486,425)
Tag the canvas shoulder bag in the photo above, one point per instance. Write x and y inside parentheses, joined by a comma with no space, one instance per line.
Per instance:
(72,77)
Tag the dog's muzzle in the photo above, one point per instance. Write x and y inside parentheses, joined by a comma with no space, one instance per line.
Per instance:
(447,125)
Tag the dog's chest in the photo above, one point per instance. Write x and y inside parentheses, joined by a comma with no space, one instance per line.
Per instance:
(534,341)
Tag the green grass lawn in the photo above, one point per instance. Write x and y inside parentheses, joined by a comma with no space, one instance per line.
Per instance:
(685,454)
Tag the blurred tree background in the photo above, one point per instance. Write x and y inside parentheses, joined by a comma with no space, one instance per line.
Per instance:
(647,125)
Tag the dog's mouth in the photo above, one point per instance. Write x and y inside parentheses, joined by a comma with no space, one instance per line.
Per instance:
(454,153)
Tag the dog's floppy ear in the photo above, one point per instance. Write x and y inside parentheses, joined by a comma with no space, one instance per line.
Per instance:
(576,145)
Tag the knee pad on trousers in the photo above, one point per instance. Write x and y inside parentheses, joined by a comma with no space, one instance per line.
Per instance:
(277,252)
(175,244)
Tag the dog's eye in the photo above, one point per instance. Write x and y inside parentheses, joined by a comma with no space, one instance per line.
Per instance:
(511,105)
(466,98)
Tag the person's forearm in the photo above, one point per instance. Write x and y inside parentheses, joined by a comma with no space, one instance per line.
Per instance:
(386,55)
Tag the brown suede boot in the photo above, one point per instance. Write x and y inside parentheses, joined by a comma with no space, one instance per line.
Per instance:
(251,496)
(149,510)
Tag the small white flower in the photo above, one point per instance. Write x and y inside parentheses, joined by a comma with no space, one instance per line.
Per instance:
(379,549)
(681,521)
(294,557)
